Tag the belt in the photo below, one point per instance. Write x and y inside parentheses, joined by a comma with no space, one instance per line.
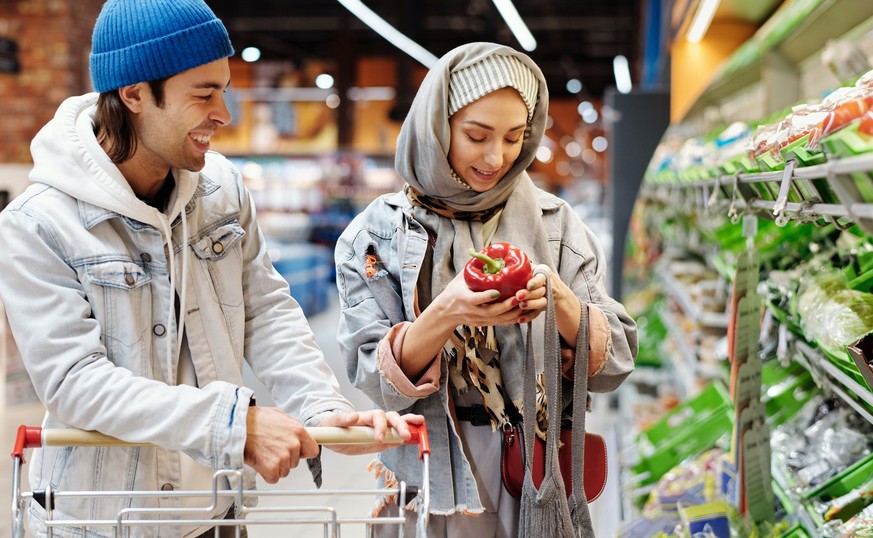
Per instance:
(475,415)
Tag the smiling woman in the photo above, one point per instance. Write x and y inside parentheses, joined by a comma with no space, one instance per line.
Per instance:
(408,314)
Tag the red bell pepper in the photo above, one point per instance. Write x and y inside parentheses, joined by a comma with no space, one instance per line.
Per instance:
(499,266)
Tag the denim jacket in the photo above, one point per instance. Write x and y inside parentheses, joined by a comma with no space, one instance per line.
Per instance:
(87,288)
(372,306)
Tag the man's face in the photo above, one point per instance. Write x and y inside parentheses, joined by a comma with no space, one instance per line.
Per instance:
(177,134)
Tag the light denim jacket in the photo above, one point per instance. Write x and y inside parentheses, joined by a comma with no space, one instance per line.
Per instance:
(371,306)
(87,292)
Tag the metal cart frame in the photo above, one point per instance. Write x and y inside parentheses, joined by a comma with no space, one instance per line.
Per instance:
(128,520)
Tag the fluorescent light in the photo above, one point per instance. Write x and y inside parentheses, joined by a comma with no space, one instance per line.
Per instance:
(324,81)
(251,54)
(702,19)
(622,74)
(574,85)
(381,27)
(516,24)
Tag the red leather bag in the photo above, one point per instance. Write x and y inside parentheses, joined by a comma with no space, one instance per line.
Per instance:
(596,465)
(592,452)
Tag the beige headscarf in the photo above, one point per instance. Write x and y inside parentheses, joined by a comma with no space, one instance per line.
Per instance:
(421,159)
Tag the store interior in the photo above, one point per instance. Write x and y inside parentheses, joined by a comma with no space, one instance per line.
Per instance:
(720,151)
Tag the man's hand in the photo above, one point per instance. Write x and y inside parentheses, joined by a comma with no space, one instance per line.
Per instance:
(379,420)
(275,443)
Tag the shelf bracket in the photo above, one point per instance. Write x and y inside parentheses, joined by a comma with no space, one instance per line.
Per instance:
(782,198)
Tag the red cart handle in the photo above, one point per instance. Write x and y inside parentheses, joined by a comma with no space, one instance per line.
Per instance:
(419,437)
(28,437)
(32,437)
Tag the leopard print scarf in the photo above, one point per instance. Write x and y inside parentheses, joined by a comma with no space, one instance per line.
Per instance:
(432,204)
(473,352)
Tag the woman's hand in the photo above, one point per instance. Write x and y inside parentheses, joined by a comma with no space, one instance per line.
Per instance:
(380,421)
(533,302)
(458,305)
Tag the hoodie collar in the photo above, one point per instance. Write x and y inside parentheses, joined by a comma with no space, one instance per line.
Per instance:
(67,156)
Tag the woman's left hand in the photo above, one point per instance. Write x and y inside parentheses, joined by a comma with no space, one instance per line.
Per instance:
(533,302)
(380,421)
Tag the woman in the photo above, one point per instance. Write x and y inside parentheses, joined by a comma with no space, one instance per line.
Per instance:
(414,336)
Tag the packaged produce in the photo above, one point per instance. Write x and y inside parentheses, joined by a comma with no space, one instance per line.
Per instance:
(833,314)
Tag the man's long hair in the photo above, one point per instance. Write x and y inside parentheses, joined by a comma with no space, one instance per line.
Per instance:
(113,125)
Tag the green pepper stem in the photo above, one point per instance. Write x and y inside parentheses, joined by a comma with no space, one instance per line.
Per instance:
(491,266)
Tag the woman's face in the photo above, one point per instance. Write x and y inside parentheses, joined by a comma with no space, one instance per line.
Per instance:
(486,138)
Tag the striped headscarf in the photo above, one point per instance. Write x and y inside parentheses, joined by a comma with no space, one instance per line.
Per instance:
(491,74)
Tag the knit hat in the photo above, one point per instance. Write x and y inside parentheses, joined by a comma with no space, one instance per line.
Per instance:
(491,74)
(143,40)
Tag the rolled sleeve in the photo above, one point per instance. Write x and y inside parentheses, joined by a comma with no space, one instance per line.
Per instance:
(388,354)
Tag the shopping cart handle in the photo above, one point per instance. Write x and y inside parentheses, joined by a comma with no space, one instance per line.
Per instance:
(34,437)
(419,437)
(27,437)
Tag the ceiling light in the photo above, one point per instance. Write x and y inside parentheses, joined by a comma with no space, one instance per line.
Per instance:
(516,24)
(573,149)
(332,101)
(324,81)
(381,27)
(574,85)
(599,144)
(544,154)
(251,54)
(701,20)
(622,74)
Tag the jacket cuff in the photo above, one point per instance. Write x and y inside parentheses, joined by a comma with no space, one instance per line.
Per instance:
(388,355)
(229,434)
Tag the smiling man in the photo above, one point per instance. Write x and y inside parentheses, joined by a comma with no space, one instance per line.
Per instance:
(136,281)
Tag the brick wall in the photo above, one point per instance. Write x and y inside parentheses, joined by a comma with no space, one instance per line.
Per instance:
(54,39)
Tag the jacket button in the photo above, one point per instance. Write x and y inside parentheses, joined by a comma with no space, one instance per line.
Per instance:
(146,257)
(128,279)
(167,487)
(217,248)
(159,330)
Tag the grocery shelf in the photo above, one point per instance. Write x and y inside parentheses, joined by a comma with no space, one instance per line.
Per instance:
(828,19)
(627,450)
(688,362)
(836,172)
(678,292)
(803,517)
(834,380)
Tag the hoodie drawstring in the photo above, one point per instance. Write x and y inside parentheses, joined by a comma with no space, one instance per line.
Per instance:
(168,231)
(184,288)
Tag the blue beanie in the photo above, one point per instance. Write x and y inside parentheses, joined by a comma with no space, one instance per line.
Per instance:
(142,40)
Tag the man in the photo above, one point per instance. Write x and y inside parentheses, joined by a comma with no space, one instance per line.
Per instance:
(136,282)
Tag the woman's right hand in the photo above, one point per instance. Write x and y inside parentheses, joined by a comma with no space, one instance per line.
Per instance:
(456,305)
(461,305)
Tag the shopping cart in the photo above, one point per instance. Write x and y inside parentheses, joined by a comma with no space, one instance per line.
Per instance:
(135,520)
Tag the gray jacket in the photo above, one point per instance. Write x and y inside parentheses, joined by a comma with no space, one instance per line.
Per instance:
(87,288)
(371,306)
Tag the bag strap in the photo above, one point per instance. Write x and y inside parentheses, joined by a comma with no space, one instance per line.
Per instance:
(580,402)
(580,398)
(552,370)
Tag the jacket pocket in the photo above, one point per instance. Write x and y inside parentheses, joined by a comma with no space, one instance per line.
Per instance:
(220,255)
(119,292)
